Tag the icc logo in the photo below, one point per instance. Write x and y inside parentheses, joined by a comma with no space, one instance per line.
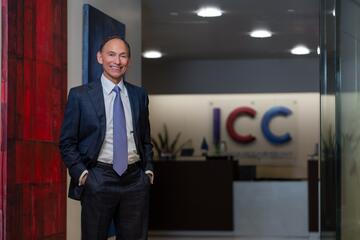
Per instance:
(265,124)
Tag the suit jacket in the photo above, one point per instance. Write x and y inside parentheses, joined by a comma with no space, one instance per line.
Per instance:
(84,126)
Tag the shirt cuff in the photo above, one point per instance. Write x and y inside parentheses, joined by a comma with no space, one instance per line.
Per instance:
(81,178)
(149,172)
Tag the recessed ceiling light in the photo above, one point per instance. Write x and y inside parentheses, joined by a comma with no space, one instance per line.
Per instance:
(333,12)
(174,14)
(152,54)
(300,50)
(209,12)
(261,33)
(318,50)
(290,10)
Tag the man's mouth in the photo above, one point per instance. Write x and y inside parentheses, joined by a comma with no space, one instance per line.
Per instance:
(115,67)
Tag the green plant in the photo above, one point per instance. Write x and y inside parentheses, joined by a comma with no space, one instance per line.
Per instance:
(164,146)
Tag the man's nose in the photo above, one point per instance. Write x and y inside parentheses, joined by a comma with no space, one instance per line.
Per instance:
(117,60)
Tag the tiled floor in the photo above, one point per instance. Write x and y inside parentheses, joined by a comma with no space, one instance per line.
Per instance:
(315,237)
(199,237)
(218,236)
(223,238)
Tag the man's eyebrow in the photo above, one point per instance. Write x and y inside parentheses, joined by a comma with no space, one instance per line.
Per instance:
(121,53)
(110,51)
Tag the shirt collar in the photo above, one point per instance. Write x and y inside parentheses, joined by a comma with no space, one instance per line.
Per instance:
(108,85)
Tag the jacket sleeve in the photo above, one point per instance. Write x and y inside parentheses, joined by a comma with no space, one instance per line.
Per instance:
(147,145)
(69,137)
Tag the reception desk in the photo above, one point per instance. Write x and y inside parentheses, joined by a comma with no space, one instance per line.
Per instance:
(192,195)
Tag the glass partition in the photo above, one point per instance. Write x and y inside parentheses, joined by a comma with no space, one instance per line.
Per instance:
(328,157)
(349,115)
(340,119)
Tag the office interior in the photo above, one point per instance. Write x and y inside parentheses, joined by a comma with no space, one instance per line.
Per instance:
(223,179)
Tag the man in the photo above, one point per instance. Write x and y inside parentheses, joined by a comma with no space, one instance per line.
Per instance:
(106,146)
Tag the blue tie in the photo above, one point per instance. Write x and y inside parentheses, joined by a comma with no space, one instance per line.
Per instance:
(120,147)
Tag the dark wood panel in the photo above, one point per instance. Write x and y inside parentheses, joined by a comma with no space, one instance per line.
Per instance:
(313,195)
(192,196)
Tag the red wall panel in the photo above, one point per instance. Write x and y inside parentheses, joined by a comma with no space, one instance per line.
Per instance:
(32,110)
(4,118)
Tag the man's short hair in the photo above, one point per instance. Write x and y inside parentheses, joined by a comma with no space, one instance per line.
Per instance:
(108,38)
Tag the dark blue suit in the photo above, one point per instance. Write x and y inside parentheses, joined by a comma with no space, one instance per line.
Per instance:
(83,133)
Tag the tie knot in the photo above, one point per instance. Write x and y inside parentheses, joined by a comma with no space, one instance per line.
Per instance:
(117,89)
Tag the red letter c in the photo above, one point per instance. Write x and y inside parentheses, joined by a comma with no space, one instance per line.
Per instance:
(230,124)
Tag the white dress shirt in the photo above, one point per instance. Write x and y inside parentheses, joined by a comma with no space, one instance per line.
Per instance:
(106,152)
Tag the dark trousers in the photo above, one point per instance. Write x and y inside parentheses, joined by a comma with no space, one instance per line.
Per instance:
(124,199)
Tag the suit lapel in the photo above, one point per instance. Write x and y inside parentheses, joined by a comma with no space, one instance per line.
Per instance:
(134,104)
(97,99)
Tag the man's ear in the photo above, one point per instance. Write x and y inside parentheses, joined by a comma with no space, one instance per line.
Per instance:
(99,57)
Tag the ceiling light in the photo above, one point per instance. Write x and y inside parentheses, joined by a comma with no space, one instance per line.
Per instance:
(333,12)
(318,50)
(300,50)
(152,54)
(209,12)
(261,33)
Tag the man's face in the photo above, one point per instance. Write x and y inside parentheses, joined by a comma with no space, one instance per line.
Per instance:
(114,58)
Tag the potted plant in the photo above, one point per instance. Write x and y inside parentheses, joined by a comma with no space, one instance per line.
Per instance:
(165,148)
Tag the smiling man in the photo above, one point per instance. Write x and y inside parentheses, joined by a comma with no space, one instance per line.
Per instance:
(106,146)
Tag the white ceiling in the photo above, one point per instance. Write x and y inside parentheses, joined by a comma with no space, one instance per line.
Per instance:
(187,36)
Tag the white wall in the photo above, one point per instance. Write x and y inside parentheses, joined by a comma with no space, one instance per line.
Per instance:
(127,12)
